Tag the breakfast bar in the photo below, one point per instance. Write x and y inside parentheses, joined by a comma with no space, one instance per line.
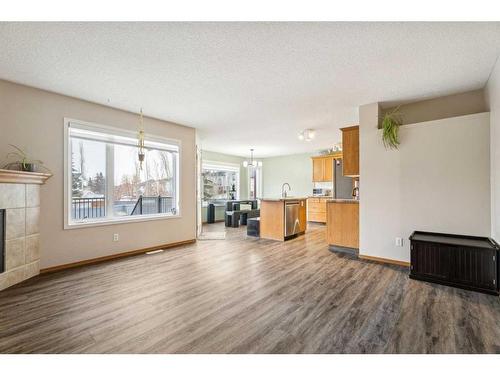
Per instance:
(282,218)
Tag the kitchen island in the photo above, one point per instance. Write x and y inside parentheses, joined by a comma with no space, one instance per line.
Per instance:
(282,218)
(342,224)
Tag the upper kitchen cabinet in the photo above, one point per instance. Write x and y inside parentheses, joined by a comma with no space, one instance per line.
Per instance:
(350,151)
(322,168)
(328,171)
(318,169)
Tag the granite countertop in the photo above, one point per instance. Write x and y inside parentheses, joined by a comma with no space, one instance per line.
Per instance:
(343,201)
(278,199)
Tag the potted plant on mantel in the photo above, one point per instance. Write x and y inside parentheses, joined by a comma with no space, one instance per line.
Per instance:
(23,162)
(390,129)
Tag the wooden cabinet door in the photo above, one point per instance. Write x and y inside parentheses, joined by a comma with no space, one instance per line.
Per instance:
(303,216)
(474,267)
(328,169)
(317,217)
(431,260)
(318,169)
(350,151)
(272,220)
(342,225)
(316,209)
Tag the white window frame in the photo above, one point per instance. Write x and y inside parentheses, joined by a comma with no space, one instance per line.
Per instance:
(222,166)
(258,176)
(68,223)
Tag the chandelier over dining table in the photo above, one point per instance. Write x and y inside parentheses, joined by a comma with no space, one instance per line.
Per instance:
(252,163)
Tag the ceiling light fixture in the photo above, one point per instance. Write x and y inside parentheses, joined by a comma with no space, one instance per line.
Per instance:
(252,163)
(307,135)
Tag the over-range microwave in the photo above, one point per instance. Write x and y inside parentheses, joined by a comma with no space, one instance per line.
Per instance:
(321,192)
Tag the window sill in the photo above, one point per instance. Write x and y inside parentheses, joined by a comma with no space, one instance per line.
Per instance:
(125,220)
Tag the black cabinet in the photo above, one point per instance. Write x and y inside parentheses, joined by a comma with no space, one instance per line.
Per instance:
(462,261)
(474,267)
(430,259)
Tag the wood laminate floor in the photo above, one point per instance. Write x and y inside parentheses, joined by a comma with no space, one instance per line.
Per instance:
(244,295)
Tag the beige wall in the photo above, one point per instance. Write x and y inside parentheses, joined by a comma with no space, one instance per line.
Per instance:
(493,102)
(33,120)
(294,169)
(437,181)
(442,107)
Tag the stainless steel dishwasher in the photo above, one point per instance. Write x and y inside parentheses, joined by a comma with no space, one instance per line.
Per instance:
(292,223)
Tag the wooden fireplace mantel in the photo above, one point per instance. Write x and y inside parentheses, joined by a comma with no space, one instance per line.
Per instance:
(20,177)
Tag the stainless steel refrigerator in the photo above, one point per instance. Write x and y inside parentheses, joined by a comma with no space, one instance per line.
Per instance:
(343,185)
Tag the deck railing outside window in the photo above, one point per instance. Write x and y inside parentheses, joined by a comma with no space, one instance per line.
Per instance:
(86,208)
(153,205)
(92,208)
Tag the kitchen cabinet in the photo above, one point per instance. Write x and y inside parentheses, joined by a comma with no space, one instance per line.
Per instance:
(323,168)
(303,216)
(318,169)
(316,209)
(350,151)
(342,223)
(328,169)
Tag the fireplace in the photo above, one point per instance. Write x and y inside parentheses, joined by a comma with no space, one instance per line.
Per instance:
(19,226)
(2,241)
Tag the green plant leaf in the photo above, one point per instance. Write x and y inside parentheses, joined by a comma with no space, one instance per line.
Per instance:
(22,157)
(18,149)
(390,129)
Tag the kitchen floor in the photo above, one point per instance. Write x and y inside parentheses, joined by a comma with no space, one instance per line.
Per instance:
(244,295)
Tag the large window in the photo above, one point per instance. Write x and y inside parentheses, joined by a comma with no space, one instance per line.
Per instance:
(221,181)
(254,182)
(106,182)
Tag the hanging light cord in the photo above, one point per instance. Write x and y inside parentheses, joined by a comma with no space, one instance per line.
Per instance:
(140,141)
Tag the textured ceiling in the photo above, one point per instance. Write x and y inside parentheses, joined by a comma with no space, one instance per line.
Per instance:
(249,85)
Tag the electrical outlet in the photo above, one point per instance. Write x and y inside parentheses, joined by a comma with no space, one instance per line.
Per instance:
(116,237)
(399,241)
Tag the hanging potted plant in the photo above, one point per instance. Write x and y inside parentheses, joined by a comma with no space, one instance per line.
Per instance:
(24,162)
(390,129)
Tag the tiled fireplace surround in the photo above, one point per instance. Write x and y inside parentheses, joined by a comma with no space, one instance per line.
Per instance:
(22,238)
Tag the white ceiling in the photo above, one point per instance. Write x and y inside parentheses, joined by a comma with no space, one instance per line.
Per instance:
(249,85)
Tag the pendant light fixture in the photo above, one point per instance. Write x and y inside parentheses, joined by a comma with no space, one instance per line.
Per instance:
(140,142)
(252,163)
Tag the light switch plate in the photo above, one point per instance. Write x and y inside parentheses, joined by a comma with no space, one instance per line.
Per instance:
(399,241)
